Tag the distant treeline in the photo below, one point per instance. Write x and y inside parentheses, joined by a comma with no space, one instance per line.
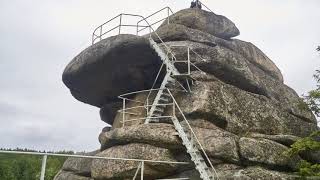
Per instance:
(28,167)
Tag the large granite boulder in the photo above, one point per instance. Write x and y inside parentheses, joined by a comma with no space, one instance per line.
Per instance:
(284,139)
(160,135)
(79,166)
(111,67)
(65,175)
(205,21)
(235,69)
(267,152)
(178,32)
(243,114)
(120,169)
(218,144)
(233,172)
(238,111)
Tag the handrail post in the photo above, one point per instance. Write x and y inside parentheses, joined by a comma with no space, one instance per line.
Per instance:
(43,167)
(142,169)
(120,24)
(100,33)
(168,16)
(148,106)
(137,28)
(173,109)
(123,111)
(189,61)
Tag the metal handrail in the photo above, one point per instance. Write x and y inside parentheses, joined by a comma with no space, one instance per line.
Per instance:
(142,91)
(45,155)
(134,15)
(206,7)
(136,107)
(144,118)
(193,133)
(95,36)
(175,104)
(169,10)
(154,83)
(187,61)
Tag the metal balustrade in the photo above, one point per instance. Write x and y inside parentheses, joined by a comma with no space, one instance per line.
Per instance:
(140,167)
(174,115)
(167,19)
(103,30)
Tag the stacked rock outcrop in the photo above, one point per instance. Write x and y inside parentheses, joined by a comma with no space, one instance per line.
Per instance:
(242,112)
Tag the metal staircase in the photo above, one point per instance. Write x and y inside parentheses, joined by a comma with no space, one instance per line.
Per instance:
(162,98)
(159,104)
(192,149)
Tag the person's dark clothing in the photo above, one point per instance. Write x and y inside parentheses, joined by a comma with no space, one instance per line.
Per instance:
(195,4)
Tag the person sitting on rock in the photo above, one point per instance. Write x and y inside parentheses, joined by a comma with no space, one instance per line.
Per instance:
(196,4)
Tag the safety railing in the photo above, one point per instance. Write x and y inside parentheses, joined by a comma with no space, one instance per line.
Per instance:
(142,105)
(140,168)
(103,30)
(118,23)
(165,19)
(99,32)
(146,104)
(174,113)
(177,107)
(191,54)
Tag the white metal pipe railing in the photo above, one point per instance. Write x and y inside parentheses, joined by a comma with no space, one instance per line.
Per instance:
(94,36)
(176,108)
(45,155)
(43,167)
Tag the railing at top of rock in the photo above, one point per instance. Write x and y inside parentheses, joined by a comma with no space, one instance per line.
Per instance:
(118,23)
(165,9)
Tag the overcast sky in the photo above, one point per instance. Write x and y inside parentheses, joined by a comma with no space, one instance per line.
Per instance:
(38,38)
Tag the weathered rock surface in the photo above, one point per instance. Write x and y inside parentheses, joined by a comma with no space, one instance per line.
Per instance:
(79,166)
(217,143)
(177,32)
(117,169)
(109,111)
(242,112)
(234,69)
(233,172)
(266,152)
(284,139)
(160,135)
(65,175)
(211,23)
(253,173)
(111,67)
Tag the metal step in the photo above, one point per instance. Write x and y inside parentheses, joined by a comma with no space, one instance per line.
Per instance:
(164,57)
(193,151)
(159,109)
(156,108)
(164,99)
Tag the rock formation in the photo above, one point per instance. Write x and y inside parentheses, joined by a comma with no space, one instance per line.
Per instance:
(240,109)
